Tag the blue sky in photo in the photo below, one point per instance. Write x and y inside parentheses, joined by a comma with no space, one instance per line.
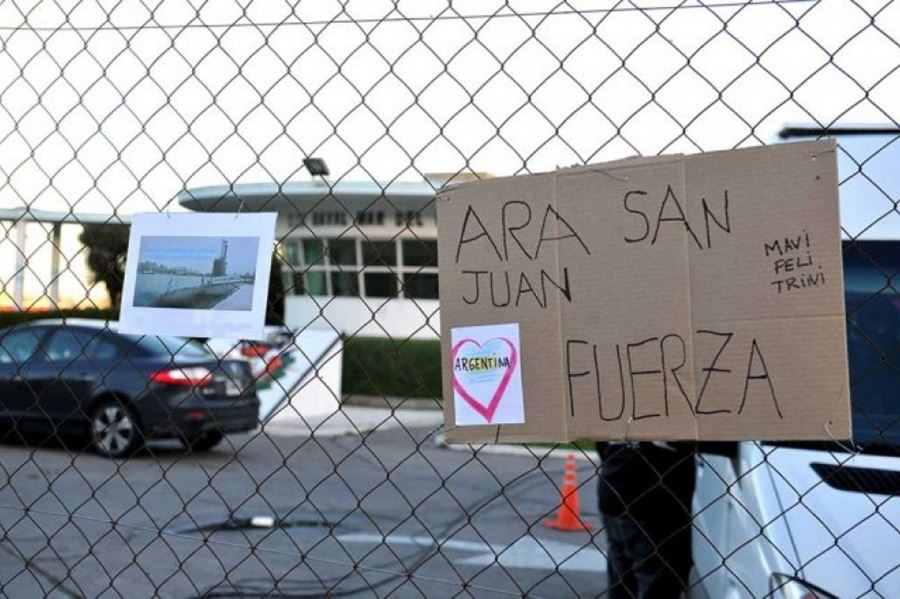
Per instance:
(198,253)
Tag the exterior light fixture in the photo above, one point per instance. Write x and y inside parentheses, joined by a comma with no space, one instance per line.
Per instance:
(316,167)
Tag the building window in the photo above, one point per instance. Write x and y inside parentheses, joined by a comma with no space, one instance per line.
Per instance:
(309,283)
(381,284)
(420,285)
(313,251)
(379,253)
(348,267)
(418,271)
(293,283)
(344,283)
(342,251)
(419,252)
(315,283)
(291,252)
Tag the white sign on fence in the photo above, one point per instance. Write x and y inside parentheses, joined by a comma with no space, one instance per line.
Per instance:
(198,275)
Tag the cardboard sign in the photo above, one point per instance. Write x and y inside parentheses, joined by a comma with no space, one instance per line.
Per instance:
(198,275)
(665,298)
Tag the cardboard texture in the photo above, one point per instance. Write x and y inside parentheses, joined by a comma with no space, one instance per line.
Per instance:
(664,298)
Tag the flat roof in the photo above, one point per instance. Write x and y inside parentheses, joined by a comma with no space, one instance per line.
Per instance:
(59,216)
(92,323)
(296,196)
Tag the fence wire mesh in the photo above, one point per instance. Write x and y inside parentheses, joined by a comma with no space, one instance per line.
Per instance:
(345,488)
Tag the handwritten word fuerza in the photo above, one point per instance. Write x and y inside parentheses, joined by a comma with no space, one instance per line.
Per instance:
(658,363)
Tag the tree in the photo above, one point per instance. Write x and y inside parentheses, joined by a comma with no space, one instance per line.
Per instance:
(275,307)
(107,246)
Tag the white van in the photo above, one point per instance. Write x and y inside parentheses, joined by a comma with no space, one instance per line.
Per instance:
(811,520)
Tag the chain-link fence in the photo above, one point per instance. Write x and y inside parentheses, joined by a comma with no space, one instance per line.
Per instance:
(108,109)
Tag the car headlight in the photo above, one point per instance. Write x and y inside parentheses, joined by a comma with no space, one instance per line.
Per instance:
(786,586)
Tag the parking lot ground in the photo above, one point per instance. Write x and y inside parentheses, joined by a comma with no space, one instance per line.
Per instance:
(364,514)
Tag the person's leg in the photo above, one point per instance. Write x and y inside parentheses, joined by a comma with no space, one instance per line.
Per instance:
(665,562)
(619,566)
(662,562)
(675,554)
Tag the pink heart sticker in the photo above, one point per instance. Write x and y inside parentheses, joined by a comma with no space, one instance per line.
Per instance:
(486,411)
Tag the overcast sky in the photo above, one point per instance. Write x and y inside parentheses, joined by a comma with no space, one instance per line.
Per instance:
(100,119)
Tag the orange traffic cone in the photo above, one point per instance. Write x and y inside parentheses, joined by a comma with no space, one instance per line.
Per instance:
(569,516)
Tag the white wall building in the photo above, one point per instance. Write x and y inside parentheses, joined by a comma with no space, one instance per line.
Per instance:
(357,256)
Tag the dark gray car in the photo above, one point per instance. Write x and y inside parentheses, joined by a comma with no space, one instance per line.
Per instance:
(82,376)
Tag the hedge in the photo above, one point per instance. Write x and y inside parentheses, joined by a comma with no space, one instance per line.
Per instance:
(11,318)
(394,368)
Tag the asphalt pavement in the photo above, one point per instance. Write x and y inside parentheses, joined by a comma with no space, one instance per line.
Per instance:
(373,509)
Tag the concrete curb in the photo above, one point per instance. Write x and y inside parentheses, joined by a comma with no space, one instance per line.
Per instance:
(531,451)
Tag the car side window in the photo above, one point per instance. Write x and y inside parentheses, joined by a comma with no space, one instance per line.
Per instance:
(19,346)
(98,348)
(66,345)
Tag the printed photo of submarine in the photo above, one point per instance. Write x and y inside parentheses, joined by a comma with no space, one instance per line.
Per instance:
(196,272)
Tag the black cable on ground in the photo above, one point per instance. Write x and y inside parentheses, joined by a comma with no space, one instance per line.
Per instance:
(247,588)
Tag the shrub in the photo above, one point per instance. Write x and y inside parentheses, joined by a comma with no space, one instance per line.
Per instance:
(396,368)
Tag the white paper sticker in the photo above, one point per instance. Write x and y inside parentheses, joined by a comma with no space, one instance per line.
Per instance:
(487,376)
(198,275)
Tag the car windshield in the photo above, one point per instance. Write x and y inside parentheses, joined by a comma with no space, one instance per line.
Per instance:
(170,346)
(872,288)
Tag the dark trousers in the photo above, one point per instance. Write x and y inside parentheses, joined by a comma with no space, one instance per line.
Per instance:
(646,560)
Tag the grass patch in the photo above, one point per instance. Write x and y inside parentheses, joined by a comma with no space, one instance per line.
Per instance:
(396,368)
(576,446)
(8,319)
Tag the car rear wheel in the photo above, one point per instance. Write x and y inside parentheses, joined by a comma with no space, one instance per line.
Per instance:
(204,442)
(114,429)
